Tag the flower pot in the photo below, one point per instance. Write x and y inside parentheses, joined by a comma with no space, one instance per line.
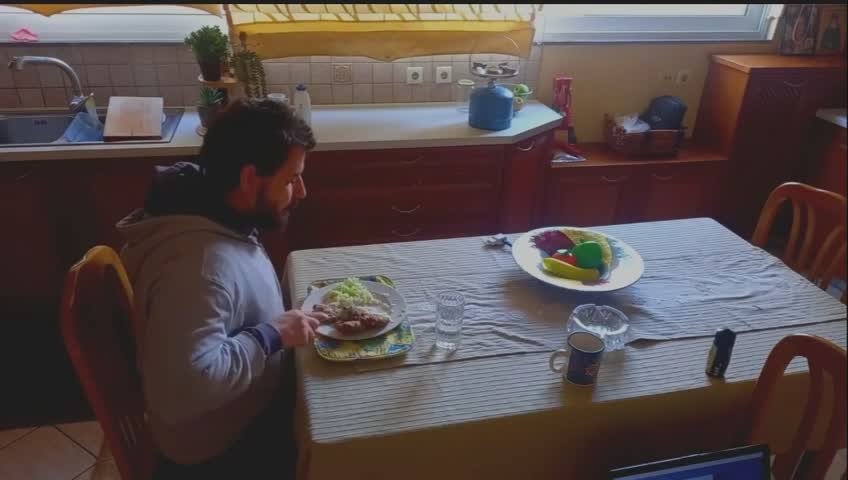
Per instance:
(211,71)
(207,114)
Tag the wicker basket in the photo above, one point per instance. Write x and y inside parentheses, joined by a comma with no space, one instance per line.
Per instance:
(650,143)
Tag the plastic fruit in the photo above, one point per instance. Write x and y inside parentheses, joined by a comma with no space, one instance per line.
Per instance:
(564,270)
(521,89)
(566,257)
(551,241)
(589,254)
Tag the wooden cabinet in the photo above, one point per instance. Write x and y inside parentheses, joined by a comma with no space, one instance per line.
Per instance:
(758,109)
(610,188)
(826,165)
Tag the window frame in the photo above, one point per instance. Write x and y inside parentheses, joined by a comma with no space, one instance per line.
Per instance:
(753,26)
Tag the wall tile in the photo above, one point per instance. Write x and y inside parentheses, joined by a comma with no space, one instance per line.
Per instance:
(383,72)
(531,73)
(441,93)
(278,73)
(119,54)
(300,72)
(189,73)
(31,97)
(383,93)
(168,75)
(536,53)
(148,91)
(28,77)
(56,97)
(321,94)
(165,54)
(185,54)
(191,95)
(460,58)
(70,53)
(145,74)
(363,73)
(401,93)
(399,72)
(360,60)
(9,98)
(98,75)
(427,68)
(421,93)
(363,93)
(6,79)
(295,59)
(101,95)
(124,91)
(320,59)
(460,70)
(173,96)
(321,73)
(96,55)
(348,66)
(442,58)
(82,73)
(342,93)
(121,75)
(50,76)
(141,54)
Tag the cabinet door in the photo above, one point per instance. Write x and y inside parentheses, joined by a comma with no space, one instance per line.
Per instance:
(585,200)
(523,183)
(680,192)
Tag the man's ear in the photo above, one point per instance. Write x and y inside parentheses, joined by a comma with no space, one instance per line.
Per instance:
(248,178)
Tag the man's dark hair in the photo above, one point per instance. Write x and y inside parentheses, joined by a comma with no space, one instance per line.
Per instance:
(257,132)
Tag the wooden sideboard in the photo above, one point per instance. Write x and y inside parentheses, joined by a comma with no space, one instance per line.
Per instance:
(758,110)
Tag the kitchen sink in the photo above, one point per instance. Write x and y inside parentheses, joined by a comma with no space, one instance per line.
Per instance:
(45,128)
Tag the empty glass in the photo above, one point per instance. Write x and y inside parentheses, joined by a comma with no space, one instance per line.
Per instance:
(450,308)
(463,94)
(606,322)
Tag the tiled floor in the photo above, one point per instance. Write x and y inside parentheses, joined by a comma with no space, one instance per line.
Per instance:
(77,452)
(68,451)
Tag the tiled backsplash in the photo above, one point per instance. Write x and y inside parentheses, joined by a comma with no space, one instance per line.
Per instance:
(171,71)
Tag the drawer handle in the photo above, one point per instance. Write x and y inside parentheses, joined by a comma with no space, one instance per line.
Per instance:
(411,210)
(794,85)
(532,144)
(413,161)
(415,231)
(661,177)
(614,180)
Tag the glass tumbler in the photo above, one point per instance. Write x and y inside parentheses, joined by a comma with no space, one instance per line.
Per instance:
(463,94)
(610,324)
(450,308)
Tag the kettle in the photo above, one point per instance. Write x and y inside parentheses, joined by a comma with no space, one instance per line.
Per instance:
(491,107)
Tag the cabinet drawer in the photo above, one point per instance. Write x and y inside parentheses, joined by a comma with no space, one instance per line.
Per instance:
(418,203)
(406,167)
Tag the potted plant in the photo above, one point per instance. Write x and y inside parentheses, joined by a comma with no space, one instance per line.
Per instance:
(211,101)
(209,45)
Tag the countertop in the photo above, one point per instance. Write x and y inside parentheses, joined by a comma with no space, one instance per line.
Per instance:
(337,127)
(835,116)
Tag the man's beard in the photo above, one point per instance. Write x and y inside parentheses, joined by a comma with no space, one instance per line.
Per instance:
(268,218)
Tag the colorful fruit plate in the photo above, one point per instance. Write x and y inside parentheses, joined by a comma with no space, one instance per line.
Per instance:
(624,269)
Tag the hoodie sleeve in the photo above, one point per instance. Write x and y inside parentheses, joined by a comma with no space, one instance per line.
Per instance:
(191,365)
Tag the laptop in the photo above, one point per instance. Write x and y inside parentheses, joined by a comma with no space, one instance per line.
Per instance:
(743,463)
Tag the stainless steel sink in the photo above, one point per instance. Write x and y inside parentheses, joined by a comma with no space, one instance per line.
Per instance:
(45,128)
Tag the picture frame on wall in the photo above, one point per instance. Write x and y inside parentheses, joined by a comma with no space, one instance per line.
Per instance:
(833,27)
(800,24)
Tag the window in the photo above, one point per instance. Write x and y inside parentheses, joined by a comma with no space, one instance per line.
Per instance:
(674,22)
(158,23)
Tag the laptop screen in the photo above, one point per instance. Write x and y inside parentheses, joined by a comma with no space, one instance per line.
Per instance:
(745,463)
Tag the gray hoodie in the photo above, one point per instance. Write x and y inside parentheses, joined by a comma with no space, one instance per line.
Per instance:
(204,291)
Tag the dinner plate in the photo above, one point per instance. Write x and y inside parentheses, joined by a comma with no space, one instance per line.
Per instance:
(627,265)
(394,302)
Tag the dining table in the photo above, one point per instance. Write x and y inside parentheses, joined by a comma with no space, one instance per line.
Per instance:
(494,409)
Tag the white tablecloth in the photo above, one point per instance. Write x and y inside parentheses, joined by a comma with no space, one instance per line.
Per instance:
(504,414)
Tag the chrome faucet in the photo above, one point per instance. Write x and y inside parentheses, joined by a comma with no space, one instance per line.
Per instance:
(77,103)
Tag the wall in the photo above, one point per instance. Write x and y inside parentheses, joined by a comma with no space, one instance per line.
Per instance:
(171,71)
(623,78)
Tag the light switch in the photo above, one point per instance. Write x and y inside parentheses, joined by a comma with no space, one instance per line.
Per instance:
(414,75)
(444,74)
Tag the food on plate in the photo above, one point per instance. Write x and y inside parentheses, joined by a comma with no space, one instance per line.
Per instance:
(566,270)
(574,254)
(352,308)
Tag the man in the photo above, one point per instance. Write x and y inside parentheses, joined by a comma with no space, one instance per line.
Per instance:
(208,302)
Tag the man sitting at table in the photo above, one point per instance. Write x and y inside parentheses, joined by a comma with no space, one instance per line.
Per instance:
(209,303)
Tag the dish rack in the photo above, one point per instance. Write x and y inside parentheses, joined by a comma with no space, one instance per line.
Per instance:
(650,143)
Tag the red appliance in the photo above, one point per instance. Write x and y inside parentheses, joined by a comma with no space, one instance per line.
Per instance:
(564,135)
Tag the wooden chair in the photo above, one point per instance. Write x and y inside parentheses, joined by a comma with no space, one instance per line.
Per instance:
(822,356)
(96,324)
(810,207)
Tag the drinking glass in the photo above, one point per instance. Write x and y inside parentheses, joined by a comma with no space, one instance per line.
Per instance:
(450,308)
(610,324)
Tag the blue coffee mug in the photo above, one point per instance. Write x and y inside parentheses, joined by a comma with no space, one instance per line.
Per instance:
(586,351)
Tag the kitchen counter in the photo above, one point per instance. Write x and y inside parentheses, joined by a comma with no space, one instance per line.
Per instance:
(337,127)
(835,116)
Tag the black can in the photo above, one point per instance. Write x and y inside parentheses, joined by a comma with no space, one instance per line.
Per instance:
(720,352)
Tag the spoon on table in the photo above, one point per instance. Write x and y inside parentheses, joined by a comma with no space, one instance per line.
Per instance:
(498,240)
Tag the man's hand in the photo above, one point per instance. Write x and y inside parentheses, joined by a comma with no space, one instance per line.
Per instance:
(297,328)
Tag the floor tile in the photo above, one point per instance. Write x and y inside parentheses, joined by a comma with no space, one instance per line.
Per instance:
(45,454)
(89,435)
(13,434)
(106,470)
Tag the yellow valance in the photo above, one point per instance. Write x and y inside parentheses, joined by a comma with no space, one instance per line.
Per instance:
(49,9)
(383,31)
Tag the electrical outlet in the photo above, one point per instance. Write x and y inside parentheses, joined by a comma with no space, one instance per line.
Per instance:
(682,77)
(342,73)
(444,74)
(667,77)
(414,75)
